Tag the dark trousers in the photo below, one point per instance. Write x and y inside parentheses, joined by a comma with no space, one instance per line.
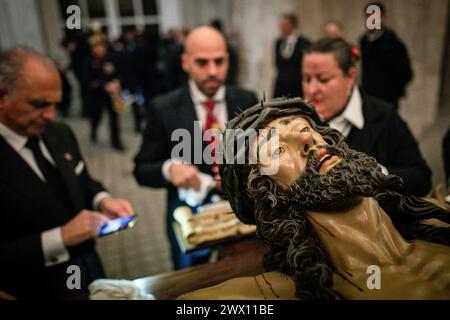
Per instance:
(84,91)
(288,86)
(138,115)
(100,100)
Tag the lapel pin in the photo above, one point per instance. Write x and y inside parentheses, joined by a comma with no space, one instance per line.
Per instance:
(67,156)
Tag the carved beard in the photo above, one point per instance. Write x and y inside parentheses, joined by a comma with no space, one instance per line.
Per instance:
(279,214)
(355,175)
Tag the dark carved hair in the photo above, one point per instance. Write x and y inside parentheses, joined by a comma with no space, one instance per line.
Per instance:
(294,248)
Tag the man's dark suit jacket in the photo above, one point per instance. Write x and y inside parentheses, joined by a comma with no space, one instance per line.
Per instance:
(386,67)
(168,113)
(28,207)
(289,77)
(387,138)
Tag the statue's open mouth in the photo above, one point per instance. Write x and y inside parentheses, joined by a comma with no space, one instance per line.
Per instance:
(326,159)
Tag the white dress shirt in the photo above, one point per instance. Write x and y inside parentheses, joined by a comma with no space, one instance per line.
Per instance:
(288,45)
(352,117)
(52,244)
(198,98)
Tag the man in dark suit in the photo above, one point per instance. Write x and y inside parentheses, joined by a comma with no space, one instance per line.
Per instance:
(289,50)
(386,67)
(46,192)
(206,103)
(104,89)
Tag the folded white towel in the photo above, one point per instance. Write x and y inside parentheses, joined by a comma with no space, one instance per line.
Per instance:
(111,289)
(196,198)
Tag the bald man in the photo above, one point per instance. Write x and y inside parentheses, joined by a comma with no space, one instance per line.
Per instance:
(50,208)
(205,103)
(333,30)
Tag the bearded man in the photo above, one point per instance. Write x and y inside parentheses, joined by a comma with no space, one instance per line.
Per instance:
(328,215)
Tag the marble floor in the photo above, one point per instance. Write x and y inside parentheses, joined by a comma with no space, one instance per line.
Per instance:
(144,249)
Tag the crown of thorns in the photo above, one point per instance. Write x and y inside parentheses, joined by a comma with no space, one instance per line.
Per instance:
(233,174)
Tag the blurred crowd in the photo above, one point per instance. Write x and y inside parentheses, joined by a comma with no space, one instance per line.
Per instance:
(142,64)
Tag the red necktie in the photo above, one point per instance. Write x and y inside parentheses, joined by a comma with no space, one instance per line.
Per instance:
(210,117)
(211,123)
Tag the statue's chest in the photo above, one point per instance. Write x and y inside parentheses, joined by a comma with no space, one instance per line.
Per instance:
(359,237)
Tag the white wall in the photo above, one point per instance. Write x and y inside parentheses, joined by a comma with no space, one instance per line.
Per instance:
(52,27)
(170,14)
(20,24)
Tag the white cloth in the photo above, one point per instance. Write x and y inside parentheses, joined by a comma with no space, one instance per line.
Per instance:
(447,199)
(111,289)
(53,247)
(195,198)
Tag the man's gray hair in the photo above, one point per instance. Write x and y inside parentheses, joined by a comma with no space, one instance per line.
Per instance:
(12,61)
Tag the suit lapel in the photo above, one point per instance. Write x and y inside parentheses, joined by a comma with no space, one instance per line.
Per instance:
(16,173)
(185,118)
(186,110)
(365,139)
(63,160)
(232,104)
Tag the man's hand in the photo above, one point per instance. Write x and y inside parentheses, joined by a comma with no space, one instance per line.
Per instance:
(112,87)
(116,208)
(84,226)
(184,176)
(217,179)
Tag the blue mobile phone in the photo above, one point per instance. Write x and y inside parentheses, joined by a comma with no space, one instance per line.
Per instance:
(117,225)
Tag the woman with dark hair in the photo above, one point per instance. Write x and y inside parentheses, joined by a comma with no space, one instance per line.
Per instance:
(370,125)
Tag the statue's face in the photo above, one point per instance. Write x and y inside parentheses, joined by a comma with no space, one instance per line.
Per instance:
(295,143)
